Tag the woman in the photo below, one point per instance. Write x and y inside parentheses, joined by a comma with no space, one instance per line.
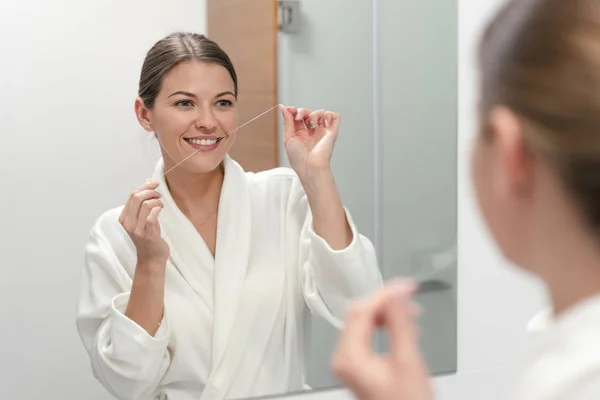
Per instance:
(536,170)
(202,285)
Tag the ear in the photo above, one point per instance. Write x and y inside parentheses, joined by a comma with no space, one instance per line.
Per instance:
(516,162)
(143,115)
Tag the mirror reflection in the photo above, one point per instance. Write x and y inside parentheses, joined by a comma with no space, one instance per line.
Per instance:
(202,282)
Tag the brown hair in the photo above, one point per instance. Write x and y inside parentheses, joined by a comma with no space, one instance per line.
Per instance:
(541,59)
(172,50)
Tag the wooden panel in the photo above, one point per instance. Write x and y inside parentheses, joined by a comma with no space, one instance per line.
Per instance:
(254,64)
(254,145)
(247,31)
(250,15)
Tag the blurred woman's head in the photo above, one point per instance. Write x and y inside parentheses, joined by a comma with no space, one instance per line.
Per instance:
(536,161)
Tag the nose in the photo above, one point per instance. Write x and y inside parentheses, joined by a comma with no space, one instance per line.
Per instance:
(206,120)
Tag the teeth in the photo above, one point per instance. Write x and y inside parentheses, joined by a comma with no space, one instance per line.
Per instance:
(203,142)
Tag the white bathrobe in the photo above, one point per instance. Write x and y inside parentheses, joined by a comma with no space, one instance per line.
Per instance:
(564,363)
(235,325)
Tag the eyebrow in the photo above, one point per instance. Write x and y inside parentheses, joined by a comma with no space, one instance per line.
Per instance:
(183,93)
(225,93)
(193,95)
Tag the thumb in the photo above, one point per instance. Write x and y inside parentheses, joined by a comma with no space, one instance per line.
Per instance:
(398,319)
(288,123)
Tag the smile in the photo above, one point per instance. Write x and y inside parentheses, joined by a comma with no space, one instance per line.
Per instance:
(204,144)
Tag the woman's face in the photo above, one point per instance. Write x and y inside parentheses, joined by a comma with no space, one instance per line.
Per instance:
(192,113)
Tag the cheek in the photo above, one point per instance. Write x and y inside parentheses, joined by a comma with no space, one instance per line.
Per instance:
(493,207)
(170,122)
(482,183)
(228,119)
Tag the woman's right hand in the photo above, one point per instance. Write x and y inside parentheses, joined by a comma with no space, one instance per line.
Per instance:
(401,374)
(140,219)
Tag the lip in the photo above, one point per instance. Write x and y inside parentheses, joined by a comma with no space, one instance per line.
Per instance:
(203,137)
(202,148)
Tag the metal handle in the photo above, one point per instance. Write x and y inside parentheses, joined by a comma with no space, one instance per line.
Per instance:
(289,12)
(433,285)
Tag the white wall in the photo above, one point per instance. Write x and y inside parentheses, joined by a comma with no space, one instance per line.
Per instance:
(494,300)
(71,148)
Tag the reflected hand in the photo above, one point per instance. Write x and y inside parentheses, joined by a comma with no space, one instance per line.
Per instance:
(309,138)
(399,375)
(140,219)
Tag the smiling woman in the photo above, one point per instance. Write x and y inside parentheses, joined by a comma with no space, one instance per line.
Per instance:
(205,250)
(189,101)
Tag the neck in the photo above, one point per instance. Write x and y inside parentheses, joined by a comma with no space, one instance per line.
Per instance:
(576,279)
(195,194)
(569,262)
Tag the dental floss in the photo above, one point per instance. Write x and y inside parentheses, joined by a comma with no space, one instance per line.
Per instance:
(226,135)
(437,270)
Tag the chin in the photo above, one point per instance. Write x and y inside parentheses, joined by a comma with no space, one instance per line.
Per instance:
(198,158)
(201,165)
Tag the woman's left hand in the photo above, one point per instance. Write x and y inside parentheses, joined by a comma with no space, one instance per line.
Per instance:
(309,138)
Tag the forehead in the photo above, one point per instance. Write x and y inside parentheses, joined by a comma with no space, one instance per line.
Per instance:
(199,78)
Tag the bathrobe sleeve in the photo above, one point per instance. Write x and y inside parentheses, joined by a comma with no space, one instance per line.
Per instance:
(126,360)
(331,279)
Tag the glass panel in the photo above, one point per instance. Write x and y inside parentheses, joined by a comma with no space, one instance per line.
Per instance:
(418,115)
(328,64)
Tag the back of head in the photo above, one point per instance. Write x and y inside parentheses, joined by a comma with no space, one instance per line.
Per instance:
(541,59)
(171,51)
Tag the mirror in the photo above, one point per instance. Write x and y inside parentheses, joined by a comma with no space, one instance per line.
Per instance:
(389,68)
(76,150)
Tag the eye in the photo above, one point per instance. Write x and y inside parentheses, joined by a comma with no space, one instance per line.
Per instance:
(224,103)
(184,103)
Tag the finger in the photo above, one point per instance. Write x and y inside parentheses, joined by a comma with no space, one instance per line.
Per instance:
(404,285)
(398,319)
(301,118)
(393,286)
(289,126)
(135,202)
(149,184)
(327,119)
(297,118)
(145,210)
(354,348)
(314,118)
(335,122)
(361,321)
(152,224)
(302,114)
(293,110)
(139,198)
